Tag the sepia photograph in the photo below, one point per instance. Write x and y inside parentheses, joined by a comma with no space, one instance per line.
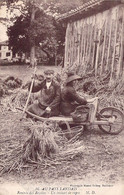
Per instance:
(61,97)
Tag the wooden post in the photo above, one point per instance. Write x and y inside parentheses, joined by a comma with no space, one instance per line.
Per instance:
(109,44)
(66,46)
(73,44)
(97,52)
(82,40)
(121,45)
(84,43)
(103,49)
(91,35)
(70,47)
(114,45)
(79,41)
(94,44)
(87,40)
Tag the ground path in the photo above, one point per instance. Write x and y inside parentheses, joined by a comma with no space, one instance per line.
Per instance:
(101,162)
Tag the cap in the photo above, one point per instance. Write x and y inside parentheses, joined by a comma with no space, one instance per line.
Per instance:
(49,72)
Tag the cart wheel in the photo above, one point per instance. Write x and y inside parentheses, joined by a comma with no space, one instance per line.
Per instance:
(118,123)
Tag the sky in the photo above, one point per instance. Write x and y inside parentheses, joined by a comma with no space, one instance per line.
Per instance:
(3,28)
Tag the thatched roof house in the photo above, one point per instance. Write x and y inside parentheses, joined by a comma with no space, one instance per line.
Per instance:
(94,36)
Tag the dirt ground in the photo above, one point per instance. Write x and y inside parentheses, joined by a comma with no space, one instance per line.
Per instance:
(101,161)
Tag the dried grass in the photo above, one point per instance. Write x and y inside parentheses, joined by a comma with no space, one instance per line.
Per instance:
(110,93)
(46,146)
(16,99)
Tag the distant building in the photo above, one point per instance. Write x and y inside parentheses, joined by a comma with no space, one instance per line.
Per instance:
(5,51)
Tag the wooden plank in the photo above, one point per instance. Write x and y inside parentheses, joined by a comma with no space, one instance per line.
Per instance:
(103,49)
(109,44)
(66,46)
(85,41)
(100,25)
(69,44)
(73,45)
(79,41)
(94,44)
(97,52)
(121,45)
(114,46)
(56,119)
(91,35)
(74,49)
(82,41)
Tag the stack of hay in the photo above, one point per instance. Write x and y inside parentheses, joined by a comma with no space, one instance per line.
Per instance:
(41,144)
(13,82)
(45,146)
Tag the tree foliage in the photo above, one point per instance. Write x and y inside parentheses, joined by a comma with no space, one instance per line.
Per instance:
(18,34)
(36,27)
(42,32)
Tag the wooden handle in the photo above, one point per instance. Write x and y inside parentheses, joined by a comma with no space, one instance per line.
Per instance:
(29,94)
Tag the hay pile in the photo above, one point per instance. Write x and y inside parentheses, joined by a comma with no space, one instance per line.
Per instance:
(46,146)
(110,93)
(41,144)
(13,82)
(9,84)
(17,99)
(17,96)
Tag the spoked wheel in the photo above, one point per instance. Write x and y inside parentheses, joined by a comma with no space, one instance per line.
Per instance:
(115,118)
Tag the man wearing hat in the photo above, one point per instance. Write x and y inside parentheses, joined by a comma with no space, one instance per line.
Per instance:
(69,97)
(49,98)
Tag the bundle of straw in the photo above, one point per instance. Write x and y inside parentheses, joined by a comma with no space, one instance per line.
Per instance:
(16,99)
(41,144)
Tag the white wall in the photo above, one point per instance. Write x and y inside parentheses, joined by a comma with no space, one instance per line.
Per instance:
(4,50)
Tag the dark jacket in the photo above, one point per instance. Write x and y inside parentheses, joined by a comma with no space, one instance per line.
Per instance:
(70,100)
(48,97)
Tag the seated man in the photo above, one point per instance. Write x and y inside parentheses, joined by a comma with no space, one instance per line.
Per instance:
(69,97)
(49,98)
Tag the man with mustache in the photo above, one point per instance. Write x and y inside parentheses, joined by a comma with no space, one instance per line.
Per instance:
(49,98)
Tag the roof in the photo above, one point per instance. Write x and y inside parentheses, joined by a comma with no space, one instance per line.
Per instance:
(89,8)
(4,43)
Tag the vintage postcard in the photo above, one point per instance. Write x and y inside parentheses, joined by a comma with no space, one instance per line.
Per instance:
(62,97)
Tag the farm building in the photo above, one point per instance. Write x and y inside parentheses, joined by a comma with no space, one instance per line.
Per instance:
(95,37)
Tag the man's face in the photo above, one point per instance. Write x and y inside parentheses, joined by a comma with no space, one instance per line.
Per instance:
(49,77)
(75,84)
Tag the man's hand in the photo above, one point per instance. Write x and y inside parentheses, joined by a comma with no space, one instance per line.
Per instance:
(33,76)
(91,100)
(48,109)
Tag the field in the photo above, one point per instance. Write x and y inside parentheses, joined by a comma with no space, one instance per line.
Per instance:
(23,72)
(101,162)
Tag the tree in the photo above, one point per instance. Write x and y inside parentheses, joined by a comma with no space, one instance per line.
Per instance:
(18,35)
(36,30)
(30,7)
(42,33)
